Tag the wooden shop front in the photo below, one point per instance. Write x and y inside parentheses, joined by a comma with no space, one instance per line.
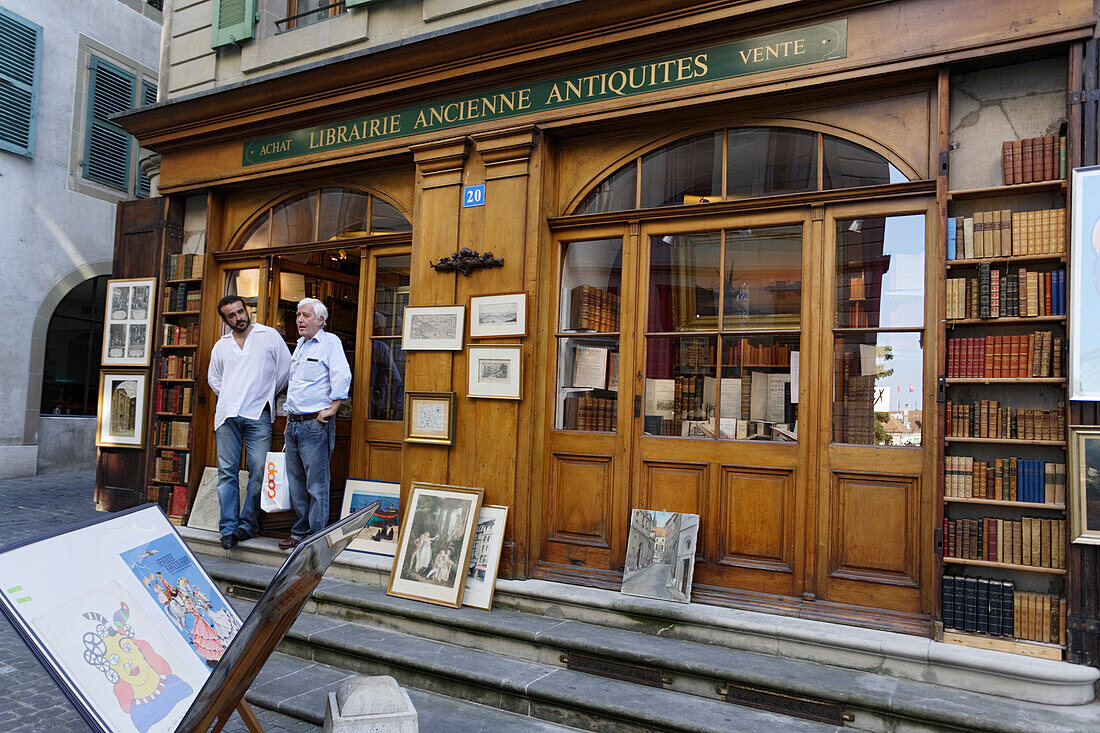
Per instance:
(729,223)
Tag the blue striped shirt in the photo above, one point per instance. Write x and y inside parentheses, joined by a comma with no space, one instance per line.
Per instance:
(319,374)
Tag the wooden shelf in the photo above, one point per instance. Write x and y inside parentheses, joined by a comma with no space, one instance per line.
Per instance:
(1004,565)
(179,346)
(181,313)
(181,449)
(1002,644)
(1006,380)
(999,502)
(1058,184)
(165,481)
(185,280)
(1005,441)
(175,380)
(1007,259)
(174,414)
(1013,320)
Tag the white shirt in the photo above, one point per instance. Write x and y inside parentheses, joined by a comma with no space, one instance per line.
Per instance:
(319,374)
(246,379)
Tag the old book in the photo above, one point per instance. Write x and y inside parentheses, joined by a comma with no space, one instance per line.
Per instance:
(1049,169)
(1018,161)
(1044,543)
(968,238)
(1028,165)
(1006,163)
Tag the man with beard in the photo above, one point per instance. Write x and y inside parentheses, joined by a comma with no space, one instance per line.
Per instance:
(248,367)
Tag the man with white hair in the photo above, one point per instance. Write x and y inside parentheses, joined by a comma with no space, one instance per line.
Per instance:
(319,381)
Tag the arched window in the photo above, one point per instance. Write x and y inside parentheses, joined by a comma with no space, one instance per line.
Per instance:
(753,161)
(73,342)
(324,215)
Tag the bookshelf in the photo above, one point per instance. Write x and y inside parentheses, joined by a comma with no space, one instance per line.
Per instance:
(1004,505)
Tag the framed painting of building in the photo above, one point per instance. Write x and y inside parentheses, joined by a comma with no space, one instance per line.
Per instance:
(120,419)
(660,555)
(481,573)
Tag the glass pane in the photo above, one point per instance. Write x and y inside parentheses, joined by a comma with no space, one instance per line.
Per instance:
(683,172)
(684,282)
(590,281)
(877,388)
(758,395)
(770,160)
(343,214)
(386,219)
(74,341)
(259,234)
(245,283)
(292,222)
(391,297)
(880,272)
(680,386)
(763,278)
(588,384)
(846,165)
(617,192)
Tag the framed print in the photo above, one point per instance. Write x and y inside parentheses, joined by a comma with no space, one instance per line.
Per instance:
(437,535)
(660,555)
(1084,274)
(120,419)
(1084,484)
(498,315)
(433,328)
(493,372)
(128,322)
(481,571)
(379,537)
(430,417)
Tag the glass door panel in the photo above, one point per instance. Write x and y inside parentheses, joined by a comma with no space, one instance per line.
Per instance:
(391,297)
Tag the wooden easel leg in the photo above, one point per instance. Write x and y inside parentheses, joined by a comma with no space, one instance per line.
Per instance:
(249,718)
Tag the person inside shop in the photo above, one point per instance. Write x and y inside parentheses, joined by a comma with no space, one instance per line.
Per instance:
(248,367)
(320,379)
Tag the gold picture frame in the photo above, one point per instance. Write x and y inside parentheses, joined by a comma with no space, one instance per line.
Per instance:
(121,414)
(1083,479)
(430,417)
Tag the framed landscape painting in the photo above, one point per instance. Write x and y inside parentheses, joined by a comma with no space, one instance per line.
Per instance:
(1084,484)
(498,315)
(128,322)
(433,550)
(433,328)
(120,419)
(660,555)
(493,372)
(379,537)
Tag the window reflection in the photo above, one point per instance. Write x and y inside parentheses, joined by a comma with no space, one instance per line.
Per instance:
(684,282)
(847,165)
(617,192)
(324,215)
(387,379)
(877,382)
(685,172)
(763,278)
(880,272)
(293,222)
(343,214)
(770,160)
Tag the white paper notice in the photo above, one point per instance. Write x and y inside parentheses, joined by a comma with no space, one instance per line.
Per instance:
(867,359)
(794,377)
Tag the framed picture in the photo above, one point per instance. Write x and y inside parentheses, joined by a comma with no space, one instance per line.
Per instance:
(128,322)
(1084,484)
(1084,295)
(430,417)
(379,537)
(498,315)
(493,372)
(433,328)
(120,419)
(481,571)
(437,535)
(660,555)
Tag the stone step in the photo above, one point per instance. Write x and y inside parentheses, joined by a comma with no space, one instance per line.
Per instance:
(874,701)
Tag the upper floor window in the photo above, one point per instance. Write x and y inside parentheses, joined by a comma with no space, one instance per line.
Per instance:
(753,161)
(324,215)
(20,61)
(305,12)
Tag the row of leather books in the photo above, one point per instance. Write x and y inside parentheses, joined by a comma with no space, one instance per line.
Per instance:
(184,267)
(747,354)
(174,466)
(995,607)
(1037,354)
(1006,233)
(987,419)
(996,293)
(586,411)
(181,335)
(178,399)
(593,309)
(1005,479)
(173,433)
(1033,159)
(178,298)
(1031,541)
(178,366)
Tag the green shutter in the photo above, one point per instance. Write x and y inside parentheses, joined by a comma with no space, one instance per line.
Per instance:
(233,21)
(107,146)
(148,96)
(20,60)
(353,3)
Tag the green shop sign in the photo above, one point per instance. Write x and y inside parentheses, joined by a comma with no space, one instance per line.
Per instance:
(799,47)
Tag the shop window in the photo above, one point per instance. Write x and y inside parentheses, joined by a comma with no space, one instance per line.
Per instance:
(878,328)
(324,215)
(723,333)
(20,64)
(73,342)
(757,161)
(387,372)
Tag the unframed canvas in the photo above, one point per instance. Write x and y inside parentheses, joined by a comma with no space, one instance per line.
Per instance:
(660,555)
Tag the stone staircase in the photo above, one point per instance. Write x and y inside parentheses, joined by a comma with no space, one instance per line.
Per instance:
(597,660)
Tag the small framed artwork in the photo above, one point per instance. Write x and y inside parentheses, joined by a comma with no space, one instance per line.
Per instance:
(660,555)
(120,419)
(493,316)
(430,417)
(1084,484)
(493,372)
(433,552)
(481,572)
(128,322)
(379,537)
(433,328)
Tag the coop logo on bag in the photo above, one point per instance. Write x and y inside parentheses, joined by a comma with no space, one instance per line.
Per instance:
(271,470)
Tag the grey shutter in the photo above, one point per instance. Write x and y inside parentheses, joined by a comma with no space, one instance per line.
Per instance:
(233,21)
(107,147)
(20,60)
(148,96)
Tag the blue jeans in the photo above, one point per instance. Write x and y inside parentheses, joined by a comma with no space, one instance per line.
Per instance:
(308,449)
(255,437)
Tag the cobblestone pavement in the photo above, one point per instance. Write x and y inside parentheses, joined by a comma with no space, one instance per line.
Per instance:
(30,701)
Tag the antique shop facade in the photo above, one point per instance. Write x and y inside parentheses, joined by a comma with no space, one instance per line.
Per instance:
(702,207)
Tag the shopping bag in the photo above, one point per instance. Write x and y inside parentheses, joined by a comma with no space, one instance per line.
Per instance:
(275,496)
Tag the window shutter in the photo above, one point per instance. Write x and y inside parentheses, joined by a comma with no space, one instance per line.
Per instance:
(233,21)
(353,3)
(107,146)
(20,60)
(148,96)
